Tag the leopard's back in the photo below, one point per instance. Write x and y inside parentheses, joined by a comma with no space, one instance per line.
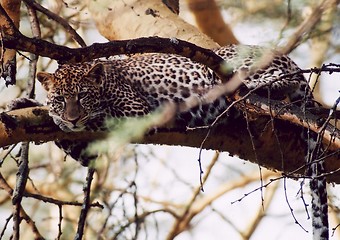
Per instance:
(162,78)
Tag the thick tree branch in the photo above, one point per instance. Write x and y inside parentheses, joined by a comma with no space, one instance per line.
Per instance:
(34,124)
(86,205)
(130,19)
(276,134)
(15,40)
(7,56)
(210,21)
(97,50)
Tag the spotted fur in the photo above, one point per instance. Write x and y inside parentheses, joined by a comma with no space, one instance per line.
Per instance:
(82,96)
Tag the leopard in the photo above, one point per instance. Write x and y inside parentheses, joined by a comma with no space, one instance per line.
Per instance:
(82,96)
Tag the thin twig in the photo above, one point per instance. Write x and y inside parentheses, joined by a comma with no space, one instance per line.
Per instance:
(59,202)
(289,206)
(60,207)
(257,189)
(5,226)
(86,204)
(33,58)
(7,153)
(76,37)
(188,213)
(306,26)
(255,154)
(142,217)
(21,181)
(261,212)
(301,193)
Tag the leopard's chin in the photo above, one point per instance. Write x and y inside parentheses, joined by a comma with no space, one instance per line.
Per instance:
(72,127)
(68,126)
(77,128)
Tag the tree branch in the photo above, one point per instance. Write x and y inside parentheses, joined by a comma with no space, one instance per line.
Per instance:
(86,204)
(15,40)
(139,15)
(21,181)
(8,56)
(34,124)
(58,19)
(210,21)
(307,25)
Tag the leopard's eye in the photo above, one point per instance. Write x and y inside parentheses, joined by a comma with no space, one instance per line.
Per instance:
(82,95)
(59,98)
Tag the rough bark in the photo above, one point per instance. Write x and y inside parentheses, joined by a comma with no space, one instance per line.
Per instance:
(276,145)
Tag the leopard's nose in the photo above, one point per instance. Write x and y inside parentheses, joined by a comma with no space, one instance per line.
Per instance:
(74,121)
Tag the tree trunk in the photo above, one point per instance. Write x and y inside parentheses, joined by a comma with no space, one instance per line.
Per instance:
(210,21)
(139,18)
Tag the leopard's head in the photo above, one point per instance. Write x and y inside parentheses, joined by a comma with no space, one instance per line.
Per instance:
(73,94)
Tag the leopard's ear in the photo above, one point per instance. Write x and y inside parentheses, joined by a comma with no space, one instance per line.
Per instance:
(95,73)
(46,79)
